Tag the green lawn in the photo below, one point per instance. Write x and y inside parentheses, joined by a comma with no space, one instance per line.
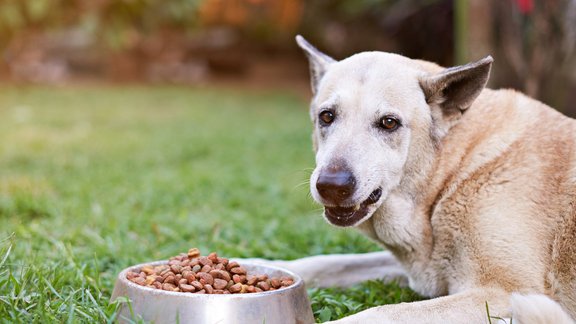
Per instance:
(95,179)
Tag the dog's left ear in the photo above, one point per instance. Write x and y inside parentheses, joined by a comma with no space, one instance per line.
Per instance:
(319,62)
(456,88)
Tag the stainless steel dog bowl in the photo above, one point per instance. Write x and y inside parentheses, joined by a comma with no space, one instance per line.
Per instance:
(283,306)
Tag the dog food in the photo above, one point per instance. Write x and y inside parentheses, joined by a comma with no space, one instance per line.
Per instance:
(193,273)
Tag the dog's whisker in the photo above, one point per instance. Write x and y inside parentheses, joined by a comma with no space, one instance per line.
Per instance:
(299,186)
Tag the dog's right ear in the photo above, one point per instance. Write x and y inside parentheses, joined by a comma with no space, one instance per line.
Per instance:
(319,62)
(456,88)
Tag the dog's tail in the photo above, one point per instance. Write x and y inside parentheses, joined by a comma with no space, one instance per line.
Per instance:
(537,309)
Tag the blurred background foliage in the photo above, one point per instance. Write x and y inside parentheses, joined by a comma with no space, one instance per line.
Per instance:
(251,41)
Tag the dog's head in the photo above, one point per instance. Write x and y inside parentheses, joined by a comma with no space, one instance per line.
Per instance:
(376,117)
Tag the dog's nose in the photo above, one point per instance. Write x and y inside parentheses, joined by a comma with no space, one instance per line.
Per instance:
(335,185)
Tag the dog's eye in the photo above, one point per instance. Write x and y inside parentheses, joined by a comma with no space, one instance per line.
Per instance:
(390,123)
(326,117)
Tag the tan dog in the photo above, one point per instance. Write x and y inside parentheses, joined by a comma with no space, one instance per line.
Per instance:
(473,191)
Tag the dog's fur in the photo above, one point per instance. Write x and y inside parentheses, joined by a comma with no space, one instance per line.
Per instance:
(478,190)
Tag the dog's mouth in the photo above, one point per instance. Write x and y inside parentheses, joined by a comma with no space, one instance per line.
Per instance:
(349,216)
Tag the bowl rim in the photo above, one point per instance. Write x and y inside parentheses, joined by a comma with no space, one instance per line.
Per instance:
(153,291)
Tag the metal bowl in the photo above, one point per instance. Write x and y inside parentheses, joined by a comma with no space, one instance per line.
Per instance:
(286,306)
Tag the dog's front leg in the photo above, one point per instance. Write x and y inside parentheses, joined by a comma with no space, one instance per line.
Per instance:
(342,270)
(464,307)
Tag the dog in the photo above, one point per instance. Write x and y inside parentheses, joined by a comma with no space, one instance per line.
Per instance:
(471,191)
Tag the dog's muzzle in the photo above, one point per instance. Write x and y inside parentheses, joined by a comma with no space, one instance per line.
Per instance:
(349,216)
(336,186)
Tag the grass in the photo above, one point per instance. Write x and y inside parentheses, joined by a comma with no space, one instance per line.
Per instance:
(95,179)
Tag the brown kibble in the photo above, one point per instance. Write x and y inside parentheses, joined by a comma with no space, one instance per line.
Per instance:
(206,269)
(251,280)
(239,278)
(287,282)
(139,281)
(225,275)
(168,274)
(176,268)
(186,273)
(196,284)
(193,253)
(204,278)
(168,286)
(187,288)
(174,262)
(204,261)
(263,285)
(190,277)
(220,283)
(262,277)
(161,267)
(170,279)
(231,265)
(220,274)
(150,279)
(213,257)
(275,283)
(194,273)
(236,288)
